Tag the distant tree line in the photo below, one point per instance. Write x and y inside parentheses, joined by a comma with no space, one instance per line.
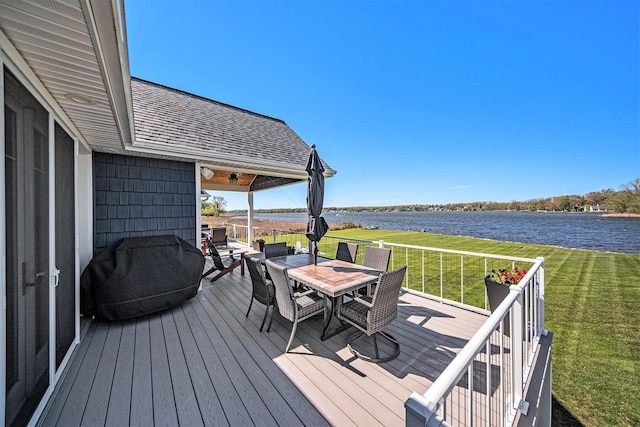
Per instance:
(626,200)
(214,207)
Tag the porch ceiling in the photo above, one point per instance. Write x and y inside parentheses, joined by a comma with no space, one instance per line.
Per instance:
(246,181)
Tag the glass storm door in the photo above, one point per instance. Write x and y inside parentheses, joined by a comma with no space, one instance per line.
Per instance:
(27,230)
(65,243)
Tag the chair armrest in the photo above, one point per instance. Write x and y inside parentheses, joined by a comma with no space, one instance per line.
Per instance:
(363,302)
(305,293)
(227,254)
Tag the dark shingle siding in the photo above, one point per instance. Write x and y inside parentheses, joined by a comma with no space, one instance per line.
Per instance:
(155,197)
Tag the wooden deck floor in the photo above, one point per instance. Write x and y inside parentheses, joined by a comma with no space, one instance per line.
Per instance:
(204,363)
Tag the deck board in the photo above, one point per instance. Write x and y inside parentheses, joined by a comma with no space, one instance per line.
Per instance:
(249,353)
(78,394)
(248,382)
(183,389)
(163,379)
(96,410)
(120,398)
(223,339)
(231,402)
(141,411)
(344,391)
(320,371)
(205,363)
(65,385)
(208,403)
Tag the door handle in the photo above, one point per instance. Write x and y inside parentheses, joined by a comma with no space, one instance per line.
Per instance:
(30,280)
(56,275)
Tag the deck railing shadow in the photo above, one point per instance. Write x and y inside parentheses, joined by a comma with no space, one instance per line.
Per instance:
(275,341)
(424,352)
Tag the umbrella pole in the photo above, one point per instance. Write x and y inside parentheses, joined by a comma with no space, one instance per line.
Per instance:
(315,253)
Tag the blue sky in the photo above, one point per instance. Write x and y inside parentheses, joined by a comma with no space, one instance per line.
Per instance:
(424,102)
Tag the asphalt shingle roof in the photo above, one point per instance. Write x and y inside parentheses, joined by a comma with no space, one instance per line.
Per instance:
(163,115)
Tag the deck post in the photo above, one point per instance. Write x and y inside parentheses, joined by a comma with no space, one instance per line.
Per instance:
(250,219)
(420,412)
(517,337)
(540,297)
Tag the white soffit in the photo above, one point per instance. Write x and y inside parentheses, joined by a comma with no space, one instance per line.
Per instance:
(55,39)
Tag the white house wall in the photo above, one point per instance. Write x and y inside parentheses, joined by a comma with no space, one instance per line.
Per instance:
(84,207)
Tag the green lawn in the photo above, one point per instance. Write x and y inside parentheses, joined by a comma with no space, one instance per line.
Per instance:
(593,308)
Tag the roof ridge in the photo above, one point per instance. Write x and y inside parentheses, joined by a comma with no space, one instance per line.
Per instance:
(207,99)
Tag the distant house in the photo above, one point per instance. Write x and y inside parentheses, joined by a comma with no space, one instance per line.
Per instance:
(92,156)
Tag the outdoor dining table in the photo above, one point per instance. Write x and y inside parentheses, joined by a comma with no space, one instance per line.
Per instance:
(331,277)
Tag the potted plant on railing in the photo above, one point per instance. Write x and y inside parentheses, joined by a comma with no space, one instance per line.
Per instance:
(497,284)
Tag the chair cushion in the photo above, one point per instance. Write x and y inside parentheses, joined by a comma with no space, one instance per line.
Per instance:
(356,312)
(309,304)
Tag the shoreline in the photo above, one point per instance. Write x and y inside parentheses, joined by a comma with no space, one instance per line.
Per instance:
(275,225)
(621,215)
(298,227)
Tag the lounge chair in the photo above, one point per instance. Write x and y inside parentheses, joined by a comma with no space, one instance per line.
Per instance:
(224,267)
(219,236)
(371,314)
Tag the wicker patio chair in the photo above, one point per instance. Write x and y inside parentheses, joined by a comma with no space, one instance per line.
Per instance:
(275,249)
(218,264)
(263,290)
(371,314)
(378,258)
(294,307)
(272,250)
(347,252)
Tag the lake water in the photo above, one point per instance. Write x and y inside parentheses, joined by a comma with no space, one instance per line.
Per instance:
(568,230)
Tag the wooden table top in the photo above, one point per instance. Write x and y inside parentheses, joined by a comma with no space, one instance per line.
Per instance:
(330,276)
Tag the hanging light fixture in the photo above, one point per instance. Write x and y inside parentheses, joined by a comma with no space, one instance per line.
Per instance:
(206,172)
(233,178)
(204,196)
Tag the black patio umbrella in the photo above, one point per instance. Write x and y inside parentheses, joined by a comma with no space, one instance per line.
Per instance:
(317,226)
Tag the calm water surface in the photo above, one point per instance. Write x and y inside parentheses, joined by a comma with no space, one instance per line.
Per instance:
(568,230)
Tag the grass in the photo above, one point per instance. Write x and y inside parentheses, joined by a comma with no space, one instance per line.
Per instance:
(593,308)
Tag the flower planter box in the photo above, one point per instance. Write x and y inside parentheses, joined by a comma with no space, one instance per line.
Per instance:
(497,292)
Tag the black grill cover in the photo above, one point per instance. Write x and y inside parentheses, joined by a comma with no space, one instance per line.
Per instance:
(141,275)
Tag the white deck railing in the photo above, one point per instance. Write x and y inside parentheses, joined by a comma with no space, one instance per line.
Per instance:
(484,383)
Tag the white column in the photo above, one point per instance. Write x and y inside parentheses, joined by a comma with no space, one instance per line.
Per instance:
(198,212)
(250,218)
